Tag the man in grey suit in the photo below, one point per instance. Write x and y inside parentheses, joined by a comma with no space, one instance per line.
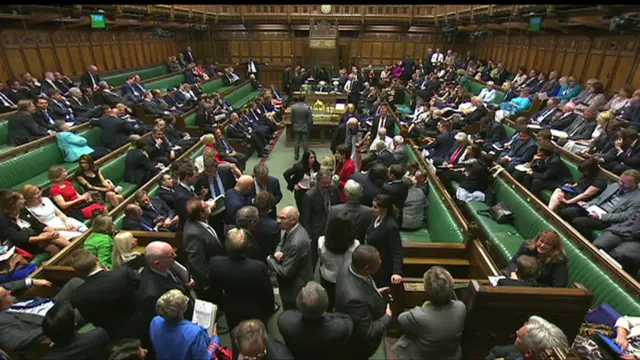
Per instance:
(620,202)
(359,215)
(399,151)
(302,119)
(291,262)
(358,297)
(21,323)
(622,242)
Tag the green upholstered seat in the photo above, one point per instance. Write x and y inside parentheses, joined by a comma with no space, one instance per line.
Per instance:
(213,85)
(33,167)
(40,258)
(164,84)
(237,98)
(114,171)
(528,222)
(118,79)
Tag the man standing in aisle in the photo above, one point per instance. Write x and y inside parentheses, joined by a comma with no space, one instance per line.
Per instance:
(301,119)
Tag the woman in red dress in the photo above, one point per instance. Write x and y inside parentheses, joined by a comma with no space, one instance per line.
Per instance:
(345,167)
(209,140)
(67,198)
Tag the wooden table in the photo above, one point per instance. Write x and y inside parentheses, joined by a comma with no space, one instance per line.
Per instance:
(324,124)
(327,98)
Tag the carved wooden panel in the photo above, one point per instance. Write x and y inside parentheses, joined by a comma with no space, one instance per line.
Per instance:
(99,57)
(65,60)
(607,70)
(87,57)
(117,56)
(387,50)
(619,75)
(244,49)
(567,65)
(580,62)
(286,49)
(366,49)
(14,57)
(108,57)
(399,50)
(593,64)
(49,59)
(34,65)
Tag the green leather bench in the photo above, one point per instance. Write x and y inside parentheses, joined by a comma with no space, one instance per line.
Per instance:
(33,167)
(441,225)
(507,238)
(4,136)
(237,98)
(120,78)
(164,84)
(475,88)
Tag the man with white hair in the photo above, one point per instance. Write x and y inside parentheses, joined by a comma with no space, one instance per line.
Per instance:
(488,94)
(382,137)
(398,150)
(359,215)
(291,261)
(533,338)
(161,274)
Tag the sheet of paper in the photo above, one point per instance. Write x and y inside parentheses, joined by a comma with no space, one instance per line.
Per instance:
(494,279)
(204,314)
(559,134)
(596,209)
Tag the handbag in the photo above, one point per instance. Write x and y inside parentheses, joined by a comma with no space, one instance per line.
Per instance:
(500,212)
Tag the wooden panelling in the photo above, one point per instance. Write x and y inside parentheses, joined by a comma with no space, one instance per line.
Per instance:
(35,67)
(608,58)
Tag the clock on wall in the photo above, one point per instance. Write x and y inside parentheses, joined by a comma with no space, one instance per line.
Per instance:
(325,9)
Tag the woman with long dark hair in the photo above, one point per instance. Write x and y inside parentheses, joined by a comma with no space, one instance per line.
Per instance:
(300,176)
(334,248)
(91,179)
(383,234)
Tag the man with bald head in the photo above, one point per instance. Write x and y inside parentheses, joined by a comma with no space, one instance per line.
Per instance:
(237,197)
(291,262)
(90,78)
(562,119)
(161,274)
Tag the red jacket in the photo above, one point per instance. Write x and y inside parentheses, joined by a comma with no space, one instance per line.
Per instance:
(346,171)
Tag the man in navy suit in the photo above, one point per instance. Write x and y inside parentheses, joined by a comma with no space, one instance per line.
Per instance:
(227,151)
(156,211)
(130,91)
(184,191)
(212,183)
(384,120)
(134,221)
(265,182)
(268,230)
(238,197)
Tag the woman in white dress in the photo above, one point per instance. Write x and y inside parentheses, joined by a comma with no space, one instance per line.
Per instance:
(43,209)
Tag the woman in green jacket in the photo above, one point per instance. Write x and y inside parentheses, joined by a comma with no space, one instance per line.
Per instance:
(100,242)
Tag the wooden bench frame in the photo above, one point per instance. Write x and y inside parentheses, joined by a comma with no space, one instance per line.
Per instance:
(49,139)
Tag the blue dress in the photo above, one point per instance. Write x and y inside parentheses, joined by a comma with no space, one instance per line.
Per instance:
(180,340)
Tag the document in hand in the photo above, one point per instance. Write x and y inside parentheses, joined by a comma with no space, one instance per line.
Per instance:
(204,314)
(494,279)
(596,209)
(219,202)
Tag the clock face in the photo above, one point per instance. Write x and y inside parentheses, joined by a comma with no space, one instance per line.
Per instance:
(325,9)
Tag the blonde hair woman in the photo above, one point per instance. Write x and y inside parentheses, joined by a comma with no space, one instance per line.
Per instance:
(43,209)
(124,245)
(328,162)
(173,336)
(602,120)
(100,242)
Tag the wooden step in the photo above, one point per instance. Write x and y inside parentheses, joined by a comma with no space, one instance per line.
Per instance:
(436,261)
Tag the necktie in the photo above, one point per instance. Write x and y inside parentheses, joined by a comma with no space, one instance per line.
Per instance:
(455,155)
(5,100)
(146,226)
(252,67)
(382,121)
(213,186)
(226,145)
(46,113)
(52,84)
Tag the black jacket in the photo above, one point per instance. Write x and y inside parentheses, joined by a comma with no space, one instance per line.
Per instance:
(242,288)
(200,245)
(330,335)
(369,189)
(389,124)
(160,208)
(85,80)
(398,191)
(115,131)
(366,307)
(228,182)
(108,299)
(293,175)
(23,129)
(11,231)
(477,114)
(314,214)
(560,123)
(181,196)
(167,196)
(386,238)
(83,346)
(42,120)
(138,168)
(551,169)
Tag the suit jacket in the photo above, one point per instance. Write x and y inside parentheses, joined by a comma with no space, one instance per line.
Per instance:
(551,169)
(18,330)
(295,269)
(267,235)
(293,175)
(200,245)
(398,192)
(137,224)
(522,153)
(188,57)
(167,196)
(544,116)
(85,80)
(273,187)
(441,146)
(160,208)
(314,213)
(561,121)
(242,288)
(59,110)
(386,238)
(11,231)
(301,117)
(386,158)
(400,155)
(359,215)
(581,129)
(138,168)
(629,157)
(180,198)
(228,182)
(366,307)
(519,282)
(42,120)
(23,129)
(152,108)
(627,207)
(477,114)
(234,200)
(494,133)
(330,335)
(432,332)
(389,124)
(369,189)
(108,299)
(78,106)
(115,131)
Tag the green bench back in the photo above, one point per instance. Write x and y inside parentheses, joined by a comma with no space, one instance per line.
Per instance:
(509,130)
(237,98)
(164,84)
(33,167)
(4,133)
(529,223)
(118,79)
(213,85)
(114,170)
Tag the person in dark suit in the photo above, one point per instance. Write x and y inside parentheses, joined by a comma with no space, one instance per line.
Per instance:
(184,190)
(384,234)
(90,78)
(156,212)
(523,348)
(241,286)
(161,274)
(407,64)
(267,230)
(107,298)
(59,326)
(286,80)
(441,145)
(330,331)
(547,171)
(82,109)
(150,107)
(130,91)
(627,152)
(346,133)
(384,120)
(134,221)
(522,151)
(138,168)
(396,189)
(247,219)
(19,330)
(158,148)
(116,132)
(358,297)
(226,150)
(42,115)
(188,56)
(371,183)
(544,116)
(22,126)
(315,209)
(60,108)
(562,119)
(527,272)
(250,340)
(302,120)
(238,197)
(360,215)
(492,132)
(384,156)
(166,191)
(16,92)
(294,269)
(210,184)
(265,182)
(200,243)
(253,67)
